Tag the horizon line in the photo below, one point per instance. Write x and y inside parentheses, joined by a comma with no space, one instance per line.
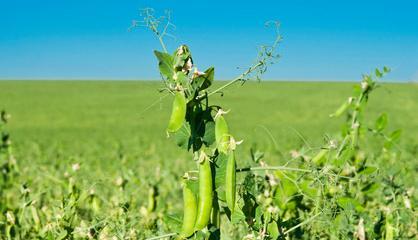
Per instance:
(217,80)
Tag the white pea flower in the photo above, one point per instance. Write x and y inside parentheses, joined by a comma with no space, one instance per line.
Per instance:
(75,167)
(364,85)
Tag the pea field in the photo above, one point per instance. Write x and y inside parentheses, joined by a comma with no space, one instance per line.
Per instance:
(93,160)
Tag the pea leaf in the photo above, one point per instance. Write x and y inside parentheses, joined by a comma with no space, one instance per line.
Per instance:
(181,56)
(381,122)
(182,79)
(393,138)
(349,203)
(221,161)
(273,230)
(209,136)
(204,81)
(368,170)
(237,216)
(370,188)
(378,73)
(395,135)
(173,221)
(182,136)
(165,64)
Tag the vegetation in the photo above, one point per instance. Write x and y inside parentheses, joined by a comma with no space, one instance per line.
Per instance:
(73,124)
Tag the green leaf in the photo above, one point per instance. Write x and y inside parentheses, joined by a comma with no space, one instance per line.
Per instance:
(368,170)
(237,216)
(308,189)
(249,184)
(173,221)
(182,136)
(256,155)
(378,73)
(182,79)
(370,188)
(284,195)
(381,122)
(221,163)
(62,235)
(273,230)
(395,135)
(205,80)
(181,56)
(165,64)
(209,136)
(349,203)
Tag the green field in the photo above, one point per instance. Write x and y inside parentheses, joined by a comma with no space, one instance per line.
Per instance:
(117,129)
(76,114)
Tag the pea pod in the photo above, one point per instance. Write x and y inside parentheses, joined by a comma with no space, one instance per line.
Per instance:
(221,133)
(205,195)
(230,181)
(152,201)
(178,113)
(189,212)
(341,109)
(215,216)
(320,157)
(389,229)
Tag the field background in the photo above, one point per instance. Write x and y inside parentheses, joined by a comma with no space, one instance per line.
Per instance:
(101,123)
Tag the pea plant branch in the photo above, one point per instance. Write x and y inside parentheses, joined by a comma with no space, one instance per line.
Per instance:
(267,55)
(160,26)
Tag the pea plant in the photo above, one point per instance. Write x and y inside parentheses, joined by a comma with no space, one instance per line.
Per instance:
(9,172)
(202,129)
(325,192)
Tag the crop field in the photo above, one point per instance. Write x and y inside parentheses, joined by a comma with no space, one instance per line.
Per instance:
(91,155)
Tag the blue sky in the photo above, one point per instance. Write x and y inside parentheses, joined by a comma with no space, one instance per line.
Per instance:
(322,40)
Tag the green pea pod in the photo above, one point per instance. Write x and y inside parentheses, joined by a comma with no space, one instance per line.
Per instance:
(221,134)
(389,229)
(205,195)
(189,212)
(341,109)
(215,216)
(230,181)
(320,157)
(152,201)
(178,113)
(355,135)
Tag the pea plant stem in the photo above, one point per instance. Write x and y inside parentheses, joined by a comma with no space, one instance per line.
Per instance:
(283,168)
(301,224)
(162,236)
(162,44)
(247,169)
(239,78)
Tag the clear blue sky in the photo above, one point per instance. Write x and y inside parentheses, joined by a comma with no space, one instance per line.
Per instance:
(323,40)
